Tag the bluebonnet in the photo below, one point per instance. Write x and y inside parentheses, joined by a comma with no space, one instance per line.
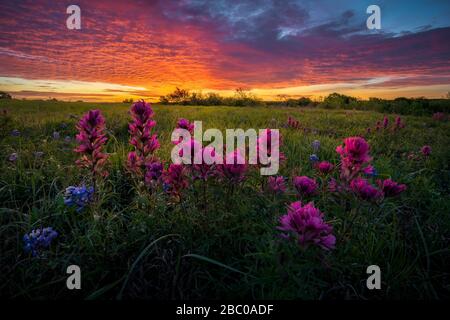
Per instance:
(38,239)
(15,133)
(315,145)
(78,196)
(56,135)
(313,158)
(13,157)
(38,154)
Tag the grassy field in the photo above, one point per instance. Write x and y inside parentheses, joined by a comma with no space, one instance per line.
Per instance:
(130,244)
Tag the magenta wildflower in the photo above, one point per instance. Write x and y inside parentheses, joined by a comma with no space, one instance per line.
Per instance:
(153,172)
(91,139)
(305,186)
(204,170)
(306,224)
(439,116)
(426,150)
(276,185)
(145,142)
(364,189)
(234,167)
(391,188)
(185,124)
(354,155)
(175,179)
(385,122)
(325,167)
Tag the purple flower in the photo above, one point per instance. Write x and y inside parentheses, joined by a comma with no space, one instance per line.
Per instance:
(38,154)
(234,167)
(276,184)
(305,186)
(315,146)
(362,188)
(38,240)
(67,139)
(56,135)
(13,157)
(426,150)
(15,133)
(91,139)
(325,167)
(78,197)
(370,171)
(145,143)
(391,188)
(153,172)
(306,224)
(314,158)
(185,124)
(175,179)
(354,155)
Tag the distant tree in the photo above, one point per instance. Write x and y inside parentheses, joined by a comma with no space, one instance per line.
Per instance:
(4,95)
(448,95)
(128,101)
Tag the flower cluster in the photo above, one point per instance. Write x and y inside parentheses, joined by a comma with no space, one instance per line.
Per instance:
(91,139)
(234,167)
(354,157)
(385,125)
(276,185)
(38,240)
(175,179)
(364,189)
(78,197)
(324,167)
(145,142)
(305,186)
(292,123)
(439,116)
(306,225)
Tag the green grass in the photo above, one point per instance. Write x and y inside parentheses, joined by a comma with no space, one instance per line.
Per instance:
(131,245)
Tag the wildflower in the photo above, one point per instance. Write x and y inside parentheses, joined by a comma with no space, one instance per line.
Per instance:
(56,135)
(144,142)
(276,184)
(38,154)
(78,197)
(15,133)
(398,123)
(38,240)
(314,158)
(265,145)
(369,130)
(364,189)
(175,179)
(385,122)
(426,150)
(153,172)
(204,170)
(185,124)
(370,171)
(354,155)
(305,186)
(315,145)
(306,225)
(391,188)
(67,139)
(325,167)
(439,116)
(91,139)
(13,157)
(234,168)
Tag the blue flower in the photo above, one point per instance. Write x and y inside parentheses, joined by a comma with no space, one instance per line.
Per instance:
(313,158)
(38,239)
(15,133)
(78,197)
(56,135)
(315,145)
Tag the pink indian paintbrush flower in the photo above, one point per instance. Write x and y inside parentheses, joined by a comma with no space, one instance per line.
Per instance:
(175,179)
(91,139)
(204,171)
(325,167)
(307,226)
(363,189)
(305,186)
(354,157)
(426,150)
(234,167)
(276,185)
(390,188)
(145,142)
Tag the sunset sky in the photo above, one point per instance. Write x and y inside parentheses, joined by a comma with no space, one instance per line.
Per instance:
(144,49)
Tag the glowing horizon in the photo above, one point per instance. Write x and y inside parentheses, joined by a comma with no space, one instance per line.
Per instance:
(130,49)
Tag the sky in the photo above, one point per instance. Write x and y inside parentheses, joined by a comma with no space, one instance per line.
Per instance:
(145,49)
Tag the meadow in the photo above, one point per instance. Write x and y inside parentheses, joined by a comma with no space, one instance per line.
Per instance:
(219,240)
